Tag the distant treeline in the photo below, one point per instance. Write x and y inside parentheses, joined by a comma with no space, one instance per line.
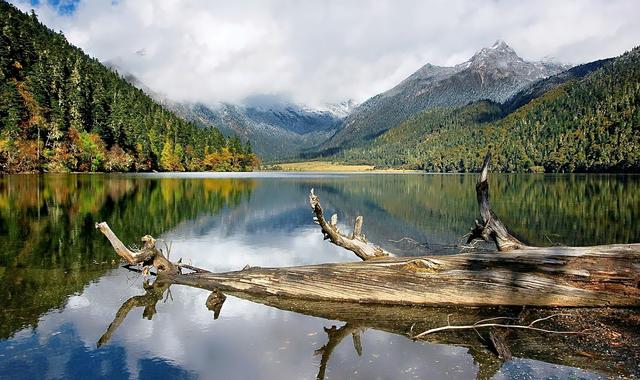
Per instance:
(589,124)
(61,110)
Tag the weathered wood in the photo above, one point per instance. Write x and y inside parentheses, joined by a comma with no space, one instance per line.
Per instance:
(490,228)
(498,341)
(554,276)
(356,243)
(149,255)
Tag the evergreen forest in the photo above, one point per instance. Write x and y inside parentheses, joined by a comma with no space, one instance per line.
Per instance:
(63,111)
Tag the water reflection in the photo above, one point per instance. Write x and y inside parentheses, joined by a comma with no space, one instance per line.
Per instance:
(60,290)
(47,234)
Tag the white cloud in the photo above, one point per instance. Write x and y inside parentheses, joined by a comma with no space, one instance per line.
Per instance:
(327,51)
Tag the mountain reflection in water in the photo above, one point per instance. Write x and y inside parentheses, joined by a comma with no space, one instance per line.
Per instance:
(61,287)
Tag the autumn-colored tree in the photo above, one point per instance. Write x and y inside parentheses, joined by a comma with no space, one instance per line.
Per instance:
(60,159)
(117,160)
(19,156)
(88,149)
(169,159)
(143,162)
(250,162)
(219,161)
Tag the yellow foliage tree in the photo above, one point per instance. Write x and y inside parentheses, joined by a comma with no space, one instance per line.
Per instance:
(169,159)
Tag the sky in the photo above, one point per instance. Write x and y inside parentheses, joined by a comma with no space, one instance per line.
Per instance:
(319,52)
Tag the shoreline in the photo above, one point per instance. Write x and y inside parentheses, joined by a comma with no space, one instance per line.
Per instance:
(328,166)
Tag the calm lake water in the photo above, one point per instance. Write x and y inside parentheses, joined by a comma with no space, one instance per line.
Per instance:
(60,287)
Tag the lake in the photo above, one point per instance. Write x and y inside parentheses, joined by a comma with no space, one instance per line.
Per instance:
(62,285)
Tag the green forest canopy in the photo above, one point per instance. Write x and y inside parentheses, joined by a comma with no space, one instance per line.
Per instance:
(61,110)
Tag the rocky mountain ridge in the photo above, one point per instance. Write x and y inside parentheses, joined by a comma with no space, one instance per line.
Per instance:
(494,73)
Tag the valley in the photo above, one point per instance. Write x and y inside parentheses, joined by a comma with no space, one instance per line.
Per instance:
(442,119)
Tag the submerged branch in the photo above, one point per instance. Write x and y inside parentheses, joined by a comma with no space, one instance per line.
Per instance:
(215,301)
(478,325)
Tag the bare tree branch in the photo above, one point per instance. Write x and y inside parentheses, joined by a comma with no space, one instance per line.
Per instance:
(355,243)
(490,228)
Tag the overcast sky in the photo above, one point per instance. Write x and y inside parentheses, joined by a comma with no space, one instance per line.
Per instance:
(316,51)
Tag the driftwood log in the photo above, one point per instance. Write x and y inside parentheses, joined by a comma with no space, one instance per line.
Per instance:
(605,275)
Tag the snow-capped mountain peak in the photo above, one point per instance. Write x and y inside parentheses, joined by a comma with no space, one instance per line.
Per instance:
(339,110)
(499,54)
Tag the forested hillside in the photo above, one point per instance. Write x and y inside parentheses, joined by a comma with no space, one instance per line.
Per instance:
(589,124)
(61,110)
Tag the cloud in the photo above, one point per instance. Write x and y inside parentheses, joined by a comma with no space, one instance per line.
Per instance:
(326,51)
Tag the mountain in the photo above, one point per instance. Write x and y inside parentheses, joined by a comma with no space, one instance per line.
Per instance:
(282,130)
(586,119)
(495,73)
(61,110)
(277,129)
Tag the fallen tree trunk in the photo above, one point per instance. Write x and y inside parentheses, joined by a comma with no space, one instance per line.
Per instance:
(558,276)
(606,275)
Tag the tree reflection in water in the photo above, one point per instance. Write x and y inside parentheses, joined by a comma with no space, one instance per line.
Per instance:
(57,273)
(595,352)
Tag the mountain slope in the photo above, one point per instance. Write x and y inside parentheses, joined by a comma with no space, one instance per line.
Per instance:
(587,121)
(538,88)
(61,110)
(278,130)
(495,73)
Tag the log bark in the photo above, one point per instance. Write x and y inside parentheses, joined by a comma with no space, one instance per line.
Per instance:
(555,276)
(499,344)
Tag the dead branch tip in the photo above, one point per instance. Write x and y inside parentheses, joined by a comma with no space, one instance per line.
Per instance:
(355,242)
